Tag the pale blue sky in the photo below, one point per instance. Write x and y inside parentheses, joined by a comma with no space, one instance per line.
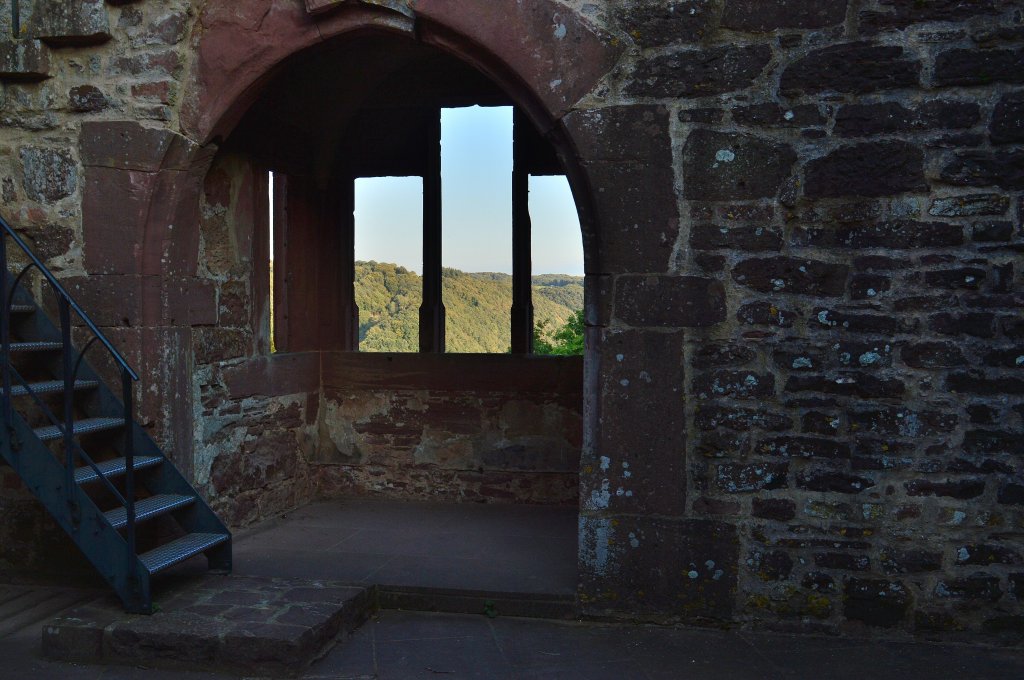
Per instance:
(476,176)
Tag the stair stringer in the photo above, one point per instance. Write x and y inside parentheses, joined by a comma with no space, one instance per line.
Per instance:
(84,523)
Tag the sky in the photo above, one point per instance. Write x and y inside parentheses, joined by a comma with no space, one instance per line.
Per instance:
(476,181)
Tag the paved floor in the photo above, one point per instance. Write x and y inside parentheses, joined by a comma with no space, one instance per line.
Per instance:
(502,548)
(517,550)
(406,645)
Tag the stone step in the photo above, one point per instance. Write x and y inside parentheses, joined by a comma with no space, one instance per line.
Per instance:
(24,60)
(256,626)
(63,24)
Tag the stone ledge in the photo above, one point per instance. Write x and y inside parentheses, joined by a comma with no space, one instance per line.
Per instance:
(25,60)
(266,626)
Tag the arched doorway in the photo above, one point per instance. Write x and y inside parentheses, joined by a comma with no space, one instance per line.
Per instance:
(362,104)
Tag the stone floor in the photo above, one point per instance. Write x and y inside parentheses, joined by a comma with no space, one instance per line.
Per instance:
(510,550)
(499,548)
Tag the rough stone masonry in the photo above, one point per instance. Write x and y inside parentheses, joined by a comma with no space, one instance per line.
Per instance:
(803,394)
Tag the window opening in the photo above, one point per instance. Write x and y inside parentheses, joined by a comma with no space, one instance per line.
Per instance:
(476,164)
(557,254)
(389,262)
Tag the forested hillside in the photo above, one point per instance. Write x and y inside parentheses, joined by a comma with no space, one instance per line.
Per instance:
(477,305)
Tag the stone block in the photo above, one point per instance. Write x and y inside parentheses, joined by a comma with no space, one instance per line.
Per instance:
(876,602)
(831,481)
(699,72)
(792,275)
(641,391)
(49,175)
(723,166)
(669,301)
(740,478)
(899,14)
(58,22)
(760,16)
(87,99)
(870,169)
(962,489)
(655,23)
(851,68)
(1004,169)
(1007,125)
(26,60)
(640,565)
(972,67)
(129,145)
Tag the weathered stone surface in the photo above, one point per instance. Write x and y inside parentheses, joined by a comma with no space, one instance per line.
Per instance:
(974,587)
(711,237)
(735,384)
(757,16)
(720,166)
(653,23)
(765,314)
(979,67)
(699,72)
(49,174)
(832,481)
(961,489)
(803,447)
(704,553)
(986,169)
(898,234)
(903,13)
(792,275)
(863,120)
(778,509)
(712,416)
(1007,124)
(83,22)
(670,301)
(899,561)
(24,60)
(624,470)
(852,68)
(932,355)
(773,115)
(986,554)
(970,205)
(738,478)
(247,625)
(871,169)
(86,99)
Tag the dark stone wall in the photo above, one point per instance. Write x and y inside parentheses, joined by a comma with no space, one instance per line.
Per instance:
(803,402)
(822,357)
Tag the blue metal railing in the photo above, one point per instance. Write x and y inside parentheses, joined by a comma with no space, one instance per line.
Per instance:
(70,366)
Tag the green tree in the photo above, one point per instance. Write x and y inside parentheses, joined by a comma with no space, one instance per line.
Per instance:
(566,341)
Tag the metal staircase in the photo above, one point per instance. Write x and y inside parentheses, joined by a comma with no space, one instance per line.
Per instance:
(78,449)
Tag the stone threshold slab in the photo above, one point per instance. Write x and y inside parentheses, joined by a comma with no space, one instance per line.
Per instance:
(263,626)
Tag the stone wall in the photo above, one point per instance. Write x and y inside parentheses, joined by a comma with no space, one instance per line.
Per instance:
(837,434)
(480,428)
(804,404)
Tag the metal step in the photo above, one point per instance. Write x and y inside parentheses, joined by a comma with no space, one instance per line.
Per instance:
(180,550)
(84,426)
(51,386)
(149,508)
(35,346)
(114,468)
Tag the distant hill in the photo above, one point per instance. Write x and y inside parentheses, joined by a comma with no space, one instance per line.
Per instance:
(478,306)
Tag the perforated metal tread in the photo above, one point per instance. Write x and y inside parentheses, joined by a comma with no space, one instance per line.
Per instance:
(114,468)
(51,386)
(148,508)
(84,426)
(180,550)
(35,346)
